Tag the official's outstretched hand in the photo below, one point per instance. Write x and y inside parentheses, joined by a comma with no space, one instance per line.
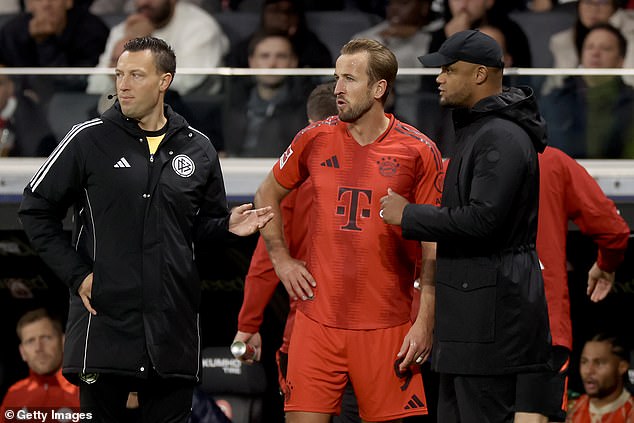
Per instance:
(245,220)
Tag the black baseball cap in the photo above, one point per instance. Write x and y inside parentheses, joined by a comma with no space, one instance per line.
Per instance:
(468,46)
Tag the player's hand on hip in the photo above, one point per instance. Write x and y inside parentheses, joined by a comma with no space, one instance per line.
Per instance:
(296,278)
(392,206)
(85,293)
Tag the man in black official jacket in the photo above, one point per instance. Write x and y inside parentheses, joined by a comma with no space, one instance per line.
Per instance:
(145,188)
(491,328)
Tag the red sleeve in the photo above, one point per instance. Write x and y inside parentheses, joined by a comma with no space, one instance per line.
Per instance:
(429,189)
(259,286)
(595,215)
(290,169)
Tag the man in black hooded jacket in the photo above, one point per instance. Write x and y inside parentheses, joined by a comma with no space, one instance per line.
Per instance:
(146,190)
(491,317)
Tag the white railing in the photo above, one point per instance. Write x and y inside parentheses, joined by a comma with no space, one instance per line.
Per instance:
(243,176)
(225,71)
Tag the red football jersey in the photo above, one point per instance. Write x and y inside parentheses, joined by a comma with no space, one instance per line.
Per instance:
(568,192)
(44,393)
(620,411)
(363,267)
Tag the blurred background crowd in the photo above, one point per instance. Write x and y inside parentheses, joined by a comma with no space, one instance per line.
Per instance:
(589,116)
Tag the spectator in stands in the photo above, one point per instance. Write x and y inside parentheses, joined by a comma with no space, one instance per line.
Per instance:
(568,192)
(117,7)
(24,130)
(591,116)
(263,113)
(195,36)
(566,46)
(471,14)
(52,33)
(604,364)
(545,5)
(41,347)
(287,16)
(406,31)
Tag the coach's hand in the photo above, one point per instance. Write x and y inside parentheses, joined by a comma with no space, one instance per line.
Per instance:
(392,206)
(85,292)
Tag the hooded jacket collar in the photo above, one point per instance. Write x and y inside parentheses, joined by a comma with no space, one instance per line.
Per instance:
(515,104)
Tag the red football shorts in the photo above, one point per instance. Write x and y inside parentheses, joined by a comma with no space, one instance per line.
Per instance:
(321,359)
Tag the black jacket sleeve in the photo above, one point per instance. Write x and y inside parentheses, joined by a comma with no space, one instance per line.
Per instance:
(54,188)
(499,166)
(212,222)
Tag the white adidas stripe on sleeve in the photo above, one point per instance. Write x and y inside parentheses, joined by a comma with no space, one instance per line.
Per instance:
(42,172)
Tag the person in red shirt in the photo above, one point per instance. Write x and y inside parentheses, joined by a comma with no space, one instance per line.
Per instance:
(604,363)
(568,192)
(45,389)
(353,319)
(261,280)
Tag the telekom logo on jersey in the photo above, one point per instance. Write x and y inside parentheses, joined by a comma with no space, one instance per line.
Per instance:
(356,202)
(353,202)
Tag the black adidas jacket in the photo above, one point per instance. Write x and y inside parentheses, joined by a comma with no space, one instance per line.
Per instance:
(136,221)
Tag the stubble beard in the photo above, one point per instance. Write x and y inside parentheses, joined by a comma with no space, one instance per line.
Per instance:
(356,111)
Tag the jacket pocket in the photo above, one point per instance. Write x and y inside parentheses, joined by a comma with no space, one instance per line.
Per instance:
(465,300)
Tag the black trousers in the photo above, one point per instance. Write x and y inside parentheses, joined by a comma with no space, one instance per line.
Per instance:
(161,400)
(476,399)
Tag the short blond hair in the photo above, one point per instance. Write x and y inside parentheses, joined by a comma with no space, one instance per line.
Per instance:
(34,316)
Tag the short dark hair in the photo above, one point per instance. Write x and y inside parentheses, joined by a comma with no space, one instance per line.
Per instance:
(321,102)
(617,345)
(621,40)
(164,56)
(35,315)
(382,63)
(263,34)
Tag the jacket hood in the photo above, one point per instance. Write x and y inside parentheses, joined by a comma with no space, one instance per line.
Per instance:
(175,122)
(517,104)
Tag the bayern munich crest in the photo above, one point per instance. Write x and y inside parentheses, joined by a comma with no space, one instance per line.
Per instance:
(388,166)
(183,166)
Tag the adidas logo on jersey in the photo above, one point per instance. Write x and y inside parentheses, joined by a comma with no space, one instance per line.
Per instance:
(414,402)
(331,162)
(122,162)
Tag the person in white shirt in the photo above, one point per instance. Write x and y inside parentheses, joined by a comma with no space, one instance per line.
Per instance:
(195,36)
(566,45)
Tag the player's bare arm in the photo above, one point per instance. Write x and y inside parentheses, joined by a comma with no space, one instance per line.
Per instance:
(292,273)
(417,343)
